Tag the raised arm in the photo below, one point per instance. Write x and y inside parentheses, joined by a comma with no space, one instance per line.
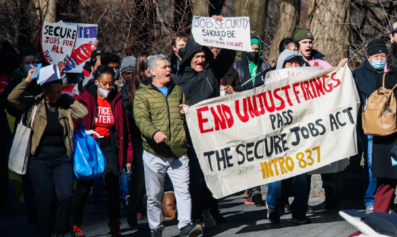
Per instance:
(16,97)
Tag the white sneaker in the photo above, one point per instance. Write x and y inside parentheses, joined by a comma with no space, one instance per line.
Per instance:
(208,220)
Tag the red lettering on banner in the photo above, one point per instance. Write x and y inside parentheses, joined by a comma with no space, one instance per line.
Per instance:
(286,88)
(304,91)
(296,92)
(228,115)
(244,118)
(282,104)
(335,79)
(202,120)
(220,120)
(319,86)
(252,107)
(330,84)
(314,91)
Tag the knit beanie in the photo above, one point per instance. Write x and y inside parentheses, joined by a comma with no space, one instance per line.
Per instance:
(303,33)
(376,46)
(258,42)
(128,64)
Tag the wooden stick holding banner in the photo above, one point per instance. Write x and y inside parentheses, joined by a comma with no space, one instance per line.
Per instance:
(250,79)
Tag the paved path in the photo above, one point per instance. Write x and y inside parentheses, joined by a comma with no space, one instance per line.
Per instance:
(243,220)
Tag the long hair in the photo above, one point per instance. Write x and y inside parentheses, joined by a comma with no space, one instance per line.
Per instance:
(392,58)
(139,73)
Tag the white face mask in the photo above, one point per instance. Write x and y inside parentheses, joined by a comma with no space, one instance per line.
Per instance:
(104,93)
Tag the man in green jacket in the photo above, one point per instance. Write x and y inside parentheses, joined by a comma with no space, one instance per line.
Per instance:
(159,115)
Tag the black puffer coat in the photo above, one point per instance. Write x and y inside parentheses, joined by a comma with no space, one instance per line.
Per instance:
(205,84)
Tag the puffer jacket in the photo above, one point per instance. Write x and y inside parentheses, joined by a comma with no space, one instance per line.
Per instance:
(154,112)
(68,110)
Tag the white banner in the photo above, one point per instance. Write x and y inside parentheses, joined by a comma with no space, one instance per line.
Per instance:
(277,75)
(57,41)
(277,131)
(230,33)
(85,44)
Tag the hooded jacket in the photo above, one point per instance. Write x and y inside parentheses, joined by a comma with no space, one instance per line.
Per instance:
(286,54)
(199,86)
(242,68)
(120,135)
(365,79)
(153,112)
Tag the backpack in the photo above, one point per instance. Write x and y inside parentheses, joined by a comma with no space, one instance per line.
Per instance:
(379,116)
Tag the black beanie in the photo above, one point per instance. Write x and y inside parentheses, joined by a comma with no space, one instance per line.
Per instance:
(376,46)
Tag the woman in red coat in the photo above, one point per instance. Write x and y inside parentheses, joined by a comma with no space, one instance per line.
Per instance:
(107,117)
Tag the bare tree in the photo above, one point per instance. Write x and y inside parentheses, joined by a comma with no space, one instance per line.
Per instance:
(257,11)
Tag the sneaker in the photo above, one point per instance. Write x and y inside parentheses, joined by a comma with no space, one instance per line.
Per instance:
(115,229)
(369,209)
(301,220)
(256,198)
(208,220)
(191,230)
(273,215)
(158,232)
(309,210)
(76,231)
(287,209)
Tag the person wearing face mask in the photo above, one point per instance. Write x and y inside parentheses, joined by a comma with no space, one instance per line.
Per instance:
(50,165)
(107,117)
(365,79)
(179,42)
(251,64)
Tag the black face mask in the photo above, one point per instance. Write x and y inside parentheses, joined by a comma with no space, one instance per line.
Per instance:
(181,52)
(253,57)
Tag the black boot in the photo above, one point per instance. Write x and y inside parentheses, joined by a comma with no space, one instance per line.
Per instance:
(330,200)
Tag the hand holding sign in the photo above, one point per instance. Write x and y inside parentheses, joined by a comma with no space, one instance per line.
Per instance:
(30,73)
(222,32)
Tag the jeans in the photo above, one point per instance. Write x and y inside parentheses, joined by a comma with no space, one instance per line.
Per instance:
(178,170)
(51,169)
(369,182)
(123,179)
(301,197)
(111,179)
(137,180)
(201,196)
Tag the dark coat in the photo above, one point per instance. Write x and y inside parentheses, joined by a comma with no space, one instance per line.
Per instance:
(242,68)
(135,133)
(121,127)
(365,79)
(381,158)
(232,79)
(175,63)
(206,84)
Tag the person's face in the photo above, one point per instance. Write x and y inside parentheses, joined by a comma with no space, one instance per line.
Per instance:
(127,75)
(292,46)
(393,37)
(179,43)
(305,47)
(53,92)
(255,47)
(29,60)
(115,66)
(293,62)
(378,56)
(105,81)
(198,61)
(162,73)
(215,51)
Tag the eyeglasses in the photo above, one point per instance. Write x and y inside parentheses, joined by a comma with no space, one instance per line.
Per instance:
(128,73)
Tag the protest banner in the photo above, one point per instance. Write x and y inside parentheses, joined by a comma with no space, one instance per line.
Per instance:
(230,33)
(322,64)
(276,75)
(85,44)
(277,131)
(57,41)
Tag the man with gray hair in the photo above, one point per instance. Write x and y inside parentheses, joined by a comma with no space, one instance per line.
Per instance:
(159,115)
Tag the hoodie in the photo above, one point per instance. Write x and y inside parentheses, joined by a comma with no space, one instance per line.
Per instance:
(199,86)
(287,53)
(242,68)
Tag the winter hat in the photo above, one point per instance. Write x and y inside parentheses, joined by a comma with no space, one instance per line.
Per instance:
(128,64)
(376,46)
(303,33)
(258,42)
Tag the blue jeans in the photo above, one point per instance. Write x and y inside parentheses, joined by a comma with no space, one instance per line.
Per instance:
(124,181)
(369,182)
(301,196)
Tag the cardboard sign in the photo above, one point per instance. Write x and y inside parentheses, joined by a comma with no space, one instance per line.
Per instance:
(270,133)
(57,41)
(322,64)
(85,44)
(277,75)
(230,33)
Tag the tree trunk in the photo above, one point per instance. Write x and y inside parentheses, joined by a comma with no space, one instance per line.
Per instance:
(257,11)
(201,8)
(288,22)
(329,23)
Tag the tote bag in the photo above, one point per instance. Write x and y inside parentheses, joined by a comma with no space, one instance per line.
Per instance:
(20,149)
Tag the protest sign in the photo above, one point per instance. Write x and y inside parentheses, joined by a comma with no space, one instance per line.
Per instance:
(57,41)
(322,64)
(277,131)
(276,75)
(85,44)
(230,33)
